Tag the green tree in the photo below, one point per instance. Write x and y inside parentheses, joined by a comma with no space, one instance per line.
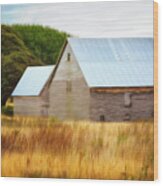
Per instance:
(15,58)
(26,45)
(44,42)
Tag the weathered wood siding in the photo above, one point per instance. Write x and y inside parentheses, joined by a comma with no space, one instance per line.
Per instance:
(112,106)
(27,105)
(68,93)
(32,105)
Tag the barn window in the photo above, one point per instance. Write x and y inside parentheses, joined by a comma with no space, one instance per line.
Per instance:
(68,57)
(127,99)
(127,117)
(102,118)
(69,86)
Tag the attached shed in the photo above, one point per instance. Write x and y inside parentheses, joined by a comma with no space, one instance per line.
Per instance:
(99,79)
(31,93)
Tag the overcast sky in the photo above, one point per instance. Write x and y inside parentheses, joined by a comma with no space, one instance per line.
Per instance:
(98,19)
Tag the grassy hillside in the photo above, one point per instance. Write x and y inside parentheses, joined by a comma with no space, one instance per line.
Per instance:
(24,45)
(47,148)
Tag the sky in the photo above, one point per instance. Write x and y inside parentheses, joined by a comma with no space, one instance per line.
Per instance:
(90,19)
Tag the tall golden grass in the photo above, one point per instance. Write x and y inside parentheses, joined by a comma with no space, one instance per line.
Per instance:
(39,147)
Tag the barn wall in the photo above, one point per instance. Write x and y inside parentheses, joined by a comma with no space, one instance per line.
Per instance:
(32,105)
(27,106)
(112,106)
(68,92)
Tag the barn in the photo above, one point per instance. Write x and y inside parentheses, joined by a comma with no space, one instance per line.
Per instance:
(31,93)
(99,79)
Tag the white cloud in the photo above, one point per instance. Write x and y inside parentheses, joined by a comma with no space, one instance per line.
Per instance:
(98,19)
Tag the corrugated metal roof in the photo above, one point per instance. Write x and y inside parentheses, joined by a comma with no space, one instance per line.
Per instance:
(33,80)
(116,62)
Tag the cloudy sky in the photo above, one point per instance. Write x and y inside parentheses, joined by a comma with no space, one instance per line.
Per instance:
(98,19)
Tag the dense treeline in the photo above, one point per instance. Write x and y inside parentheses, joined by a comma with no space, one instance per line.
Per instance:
(45,42)
(26,45)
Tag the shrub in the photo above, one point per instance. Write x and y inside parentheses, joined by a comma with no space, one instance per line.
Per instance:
(7,110)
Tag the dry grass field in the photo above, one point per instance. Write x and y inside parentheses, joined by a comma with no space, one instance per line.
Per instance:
(39,147)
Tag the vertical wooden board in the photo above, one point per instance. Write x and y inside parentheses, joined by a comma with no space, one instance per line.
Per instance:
(155,90)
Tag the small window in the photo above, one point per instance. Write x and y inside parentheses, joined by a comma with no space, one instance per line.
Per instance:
(127,117)
(44,112)
(102,118)
(127,100)
(68,57)
(69,86)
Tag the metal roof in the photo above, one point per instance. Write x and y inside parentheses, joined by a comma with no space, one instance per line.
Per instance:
(33,80)
(115,62)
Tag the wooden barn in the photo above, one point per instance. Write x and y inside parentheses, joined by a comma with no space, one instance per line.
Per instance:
(94,79)
(31,93)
